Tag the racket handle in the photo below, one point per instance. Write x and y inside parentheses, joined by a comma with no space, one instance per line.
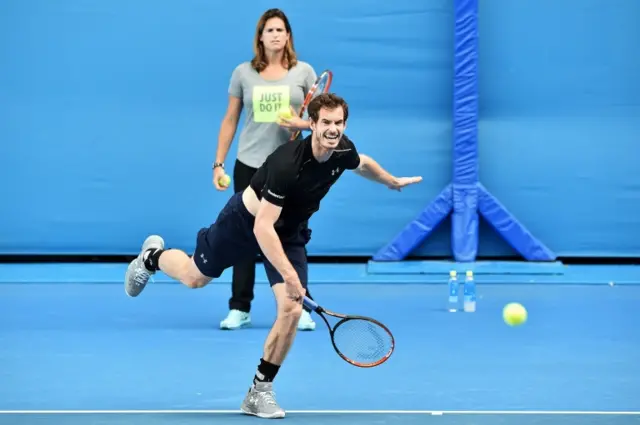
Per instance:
(310,304)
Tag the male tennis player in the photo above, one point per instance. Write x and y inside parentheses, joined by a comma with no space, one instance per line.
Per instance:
(270,217)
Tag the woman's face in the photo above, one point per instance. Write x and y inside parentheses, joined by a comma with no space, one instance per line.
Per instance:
(274,36)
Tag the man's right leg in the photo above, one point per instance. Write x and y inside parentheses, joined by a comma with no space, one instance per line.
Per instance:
(260,399)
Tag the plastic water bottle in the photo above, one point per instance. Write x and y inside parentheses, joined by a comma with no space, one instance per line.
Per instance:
(469,293)
(453,291)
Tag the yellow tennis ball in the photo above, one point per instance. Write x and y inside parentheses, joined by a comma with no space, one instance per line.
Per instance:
(225,180)
(514,314)
(285,114)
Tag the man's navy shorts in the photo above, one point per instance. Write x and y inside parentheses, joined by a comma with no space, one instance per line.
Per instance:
(230,240)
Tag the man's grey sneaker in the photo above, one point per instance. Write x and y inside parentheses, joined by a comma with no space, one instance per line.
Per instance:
(261,401)
(137,274)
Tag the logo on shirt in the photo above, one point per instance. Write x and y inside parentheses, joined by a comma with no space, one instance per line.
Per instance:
(274,195)
(268,101)
(336,171)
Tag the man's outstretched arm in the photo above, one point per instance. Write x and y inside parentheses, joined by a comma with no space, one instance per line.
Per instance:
(371,170)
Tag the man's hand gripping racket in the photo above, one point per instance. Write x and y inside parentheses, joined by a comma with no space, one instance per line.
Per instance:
(359,340)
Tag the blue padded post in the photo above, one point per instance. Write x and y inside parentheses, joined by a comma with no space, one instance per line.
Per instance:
(465,196)
(465,220)
(511,229)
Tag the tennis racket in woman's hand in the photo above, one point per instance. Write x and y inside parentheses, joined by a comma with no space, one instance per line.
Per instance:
(321,85)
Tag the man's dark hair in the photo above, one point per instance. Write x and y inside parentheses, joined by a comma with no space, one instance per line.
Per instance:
(328,101)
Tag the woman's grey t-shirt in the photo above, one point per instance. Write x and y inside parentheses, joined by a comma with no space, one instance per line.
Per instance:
(262,100)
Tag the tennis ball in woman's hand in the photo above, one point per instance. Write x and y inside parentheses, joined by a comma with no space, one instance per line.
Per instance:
(514,314)
(224,181)
(285,114)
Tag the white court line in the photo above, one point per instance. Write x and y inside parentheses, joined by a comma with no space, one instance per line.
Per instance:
(326,412)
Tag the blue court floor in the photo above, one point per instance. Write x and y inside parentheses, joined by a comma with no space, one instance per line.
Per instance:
(88,354)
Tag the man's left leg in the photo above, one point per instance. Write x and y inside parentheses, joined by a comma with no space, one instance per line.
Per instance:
(260,400)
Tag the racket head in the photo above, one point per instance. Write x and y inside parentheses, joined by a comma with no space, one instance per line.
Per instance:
(362,341)
(321,85)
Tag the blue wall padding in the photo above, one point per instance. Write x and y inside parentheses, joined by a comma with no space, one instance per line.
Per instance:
(95,97)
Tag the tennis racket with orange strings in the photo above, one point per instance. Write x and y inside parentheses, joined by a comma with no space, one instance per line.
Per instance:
(359,340)
(321,85)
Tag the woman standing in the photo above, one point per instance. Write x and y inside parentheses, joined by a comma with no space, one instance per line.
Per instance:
(273,81)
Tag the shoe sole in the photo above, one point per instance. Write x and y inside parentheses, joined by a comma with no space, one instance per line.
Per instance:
(279,415)
(232,328)
(126,279)
(307,329)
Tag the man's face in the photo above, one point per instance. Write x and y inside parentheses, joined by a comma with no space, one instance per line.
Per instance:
(330,127)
